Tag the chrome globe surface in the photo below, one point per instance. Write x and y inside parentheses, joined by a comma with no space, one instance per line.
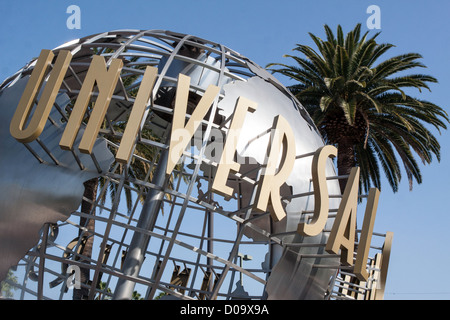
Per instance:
(149,237)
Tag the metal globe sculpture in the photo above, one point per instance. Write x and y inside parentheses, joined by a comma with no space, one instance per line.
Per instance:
(85,225)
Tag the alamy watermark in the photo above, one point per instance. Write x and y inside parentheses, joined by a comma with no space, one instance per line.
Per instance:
(74,279)
(374,20)
(74,20)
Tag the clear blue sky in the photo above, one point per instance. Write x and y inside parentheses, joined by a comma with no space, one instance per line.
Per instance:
(264,31)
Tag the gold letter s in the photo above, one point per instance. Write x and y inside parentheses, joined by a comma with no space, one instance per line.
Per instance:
(321,202)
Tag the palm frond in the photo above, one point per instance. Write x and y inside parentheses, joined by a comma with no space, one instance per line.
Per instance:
(354,96)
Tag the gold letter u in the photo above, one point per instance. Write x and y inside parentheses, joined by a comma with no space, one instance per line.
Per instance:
(47,99)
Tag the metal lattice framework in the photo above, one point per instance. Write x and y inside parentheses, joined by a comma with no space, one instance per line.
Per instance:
(169,238)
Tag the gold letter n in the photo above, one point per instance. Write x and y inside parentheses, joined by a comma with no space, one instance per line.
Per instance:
(106,82)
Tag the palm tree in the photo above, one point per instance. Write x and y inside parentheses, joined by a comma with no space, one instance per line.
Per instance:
(359,104)
(90,192)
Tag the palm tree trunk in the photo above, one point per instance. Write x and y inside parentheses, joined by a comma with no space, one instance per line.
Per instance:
(345,162)
(345,159)
(90,192)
